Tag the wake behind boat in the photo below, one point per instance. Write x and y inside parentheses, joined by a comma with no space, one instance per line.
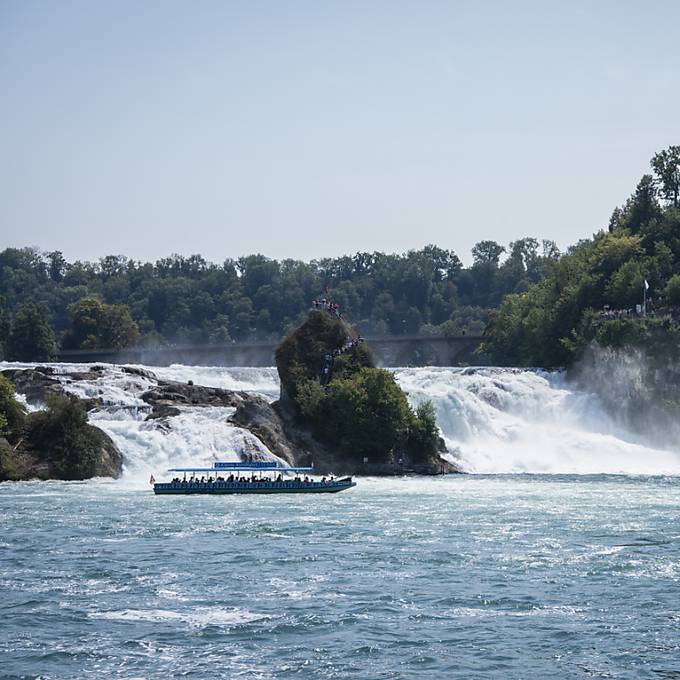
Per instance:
(265,477)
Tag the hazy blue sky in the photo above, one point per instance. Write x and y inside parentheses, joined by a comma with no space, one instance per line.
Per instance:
(307,129)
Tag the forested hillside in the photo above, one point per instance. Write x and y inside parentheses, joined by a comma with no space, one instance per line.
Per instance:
(593,291)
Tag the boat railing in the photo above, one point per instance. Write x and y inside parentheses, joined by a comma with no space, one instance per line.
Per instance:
(286,483)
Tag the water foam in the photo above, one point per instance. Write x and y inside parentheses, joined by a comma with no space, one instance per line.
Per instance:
(262,381)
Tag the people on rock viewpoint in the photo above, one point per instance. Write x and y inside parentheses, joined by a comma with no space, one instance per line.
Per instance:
(352,343)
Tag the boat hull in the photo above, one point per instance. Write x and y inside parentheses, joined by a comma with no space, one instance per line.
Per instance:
(222,488)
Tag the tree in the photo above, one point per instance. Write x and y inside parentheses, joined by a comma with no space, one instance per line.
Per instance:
(666,165)
(672,290)
(624,289)
(5,323)
(487,252)
(639,210)
(31,338)
(95,324)
(117,329)
(524,251)
(423,435)
(56,265)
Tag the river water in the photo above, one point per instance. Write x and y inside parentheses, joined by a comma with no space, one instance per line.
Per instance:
(492,574)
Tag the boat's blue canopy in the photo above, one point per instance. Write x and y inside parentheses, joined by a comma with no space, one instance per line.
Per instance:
(258,468)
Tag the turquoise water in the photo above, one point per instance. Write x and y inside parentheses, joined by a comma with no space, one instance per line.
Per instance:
(468,576)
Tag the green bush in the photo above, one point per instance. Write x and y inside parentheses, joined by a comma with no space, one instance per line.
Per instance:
(366,414)
(12,413)
(62,437)
(423,435)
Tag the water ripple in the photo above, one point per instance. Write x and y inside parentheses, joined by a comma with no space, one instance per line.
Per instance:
(504,577)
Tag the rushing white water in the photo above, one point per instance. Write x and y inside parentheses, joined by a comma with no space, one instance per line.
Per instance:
(197,436)
(493,421)
(499,420)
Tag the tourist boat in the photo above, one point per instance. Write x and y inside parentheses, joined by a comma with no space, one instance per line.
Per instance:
(223,478)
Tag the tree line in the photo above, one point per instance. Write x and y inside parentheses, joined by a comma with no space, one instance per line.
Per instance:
(47,303)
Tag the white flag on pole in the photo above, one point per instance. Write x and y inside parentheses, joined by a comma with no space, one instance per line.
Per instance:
(646,285)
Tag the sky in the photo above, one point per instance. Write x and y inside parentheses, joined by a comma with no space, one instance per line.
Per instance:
(314,129)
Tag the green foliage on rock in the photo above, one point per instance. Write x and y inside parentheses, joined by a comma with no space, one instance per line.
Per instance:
(300,356)
(12,413)
(56,443)
(62,436)
(365,414)
(422,442)
(9,470)
(31,337)
(361,411)
(12,417)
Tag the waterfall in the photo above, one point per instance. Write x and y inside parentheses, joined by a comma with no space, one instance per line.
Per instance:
(493,420)
(501,420)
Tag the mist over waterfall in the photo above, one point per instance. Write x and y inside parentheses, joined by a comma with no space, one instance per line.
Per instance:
(493,420)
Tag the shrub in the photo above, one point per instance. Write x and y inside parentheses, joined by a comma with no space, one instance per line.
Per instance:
(12,413)
(366,414)
(63,437)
